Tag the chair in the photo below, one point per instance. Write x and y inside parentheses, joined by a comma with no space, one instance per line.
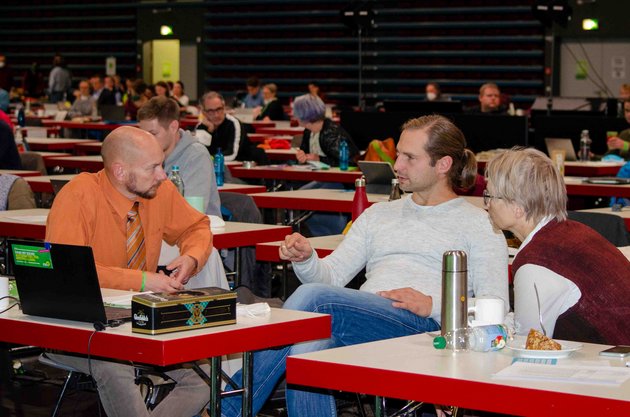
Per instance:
(33,161)
(610,226)
(153,385)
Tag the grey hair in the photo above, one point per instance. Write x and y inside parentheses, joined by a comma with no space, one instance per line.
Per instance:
(210,95)
(309,109)
(528,178)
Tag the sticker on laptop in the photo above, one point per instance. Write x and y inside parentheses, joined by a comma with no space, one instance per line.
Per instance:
(33,256)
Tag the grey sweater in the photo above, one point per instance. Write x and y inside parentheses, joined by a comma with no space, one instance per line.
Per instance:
(197,171)
(401,244)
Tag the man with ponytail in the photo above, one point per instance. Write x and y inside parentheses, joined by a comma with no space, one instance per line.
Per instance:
(400,244)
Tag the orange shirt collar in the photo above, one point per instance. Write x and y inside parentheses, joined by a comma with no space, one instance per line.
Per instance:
(118,201)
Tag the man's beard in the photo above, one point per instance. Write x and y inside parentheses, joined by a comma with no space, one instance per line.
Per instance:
(148,194)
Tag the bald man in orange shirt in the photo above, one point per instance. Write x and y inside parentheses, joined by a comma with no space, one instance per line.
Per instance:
(92,210)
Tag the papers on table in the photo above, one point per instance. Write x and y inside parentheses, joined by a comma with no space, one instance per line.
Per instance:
(28,219)
(580,374)
(122,300)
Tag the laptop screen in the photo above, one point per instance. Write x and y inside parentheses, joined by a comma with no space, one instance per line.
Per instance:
(378,176)
(57,281)
(561,144)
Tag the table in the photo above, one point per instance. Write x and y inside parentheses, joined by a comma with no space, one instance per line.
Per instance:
(242,188)
(624,213)
(339,201)
(410,368)
(41,184)
(323,245)
(91,148)
(280,328)
(67,124)
(31,224)
(91,163)
(295,173)
(20,172)
(46,155)
(281,154)
(576,186)
(580,168)
(293,131)
(48,144)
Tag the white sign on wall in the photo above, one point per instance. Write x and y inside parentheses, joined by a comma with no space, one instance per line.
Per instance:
(618,67)
(110,65)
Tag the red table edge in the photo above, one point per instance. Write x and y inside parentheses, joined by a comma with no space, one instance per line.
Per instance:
(267,252)
(295,175)
(249,238)
(23,231)
(432,389)
(246,189)
(164,353)
(598,190)
(298,203)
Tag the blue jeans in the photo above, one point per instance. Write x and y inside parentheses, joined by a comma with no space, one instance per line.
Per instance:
(357,317)
(325,223)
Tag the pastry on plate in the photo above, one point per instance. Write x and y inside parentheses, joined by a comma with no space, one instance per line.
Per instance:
(538,341)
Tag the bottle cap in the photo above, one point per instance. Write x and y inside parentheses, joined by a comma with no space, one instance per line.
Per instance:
(175,168)
(359,182)
(394,181)
(439,342)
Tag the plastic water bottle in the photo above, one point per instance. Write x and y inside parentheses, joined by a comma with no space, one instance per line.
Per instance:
(585,146)
(176,179)
(21,117)
(395,193)
(219,167)
(478,339)
(344,155)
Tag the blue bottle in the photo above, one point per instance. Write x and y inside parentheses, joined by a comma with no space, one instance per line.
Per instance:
(219,167)
(344,155)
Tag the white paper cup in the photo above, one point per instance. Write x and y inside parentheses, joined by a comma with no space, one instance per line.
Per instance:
(487,310)
(4,291)
(196,202)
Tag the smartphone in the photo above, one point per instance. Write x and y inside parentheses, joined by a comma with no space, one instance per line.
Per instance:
(619,351)
(164,269)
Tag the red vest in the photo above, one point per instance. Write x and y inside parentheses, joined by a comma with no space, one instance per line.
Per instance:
(597,268)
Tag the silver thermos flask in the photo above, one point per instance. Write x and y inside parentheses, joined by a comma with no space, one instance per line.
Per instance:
(454,290)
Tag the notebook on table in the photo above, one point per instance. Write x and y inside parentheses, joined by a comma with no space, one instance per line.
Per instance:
(60,281)
(378,176)
(561,144)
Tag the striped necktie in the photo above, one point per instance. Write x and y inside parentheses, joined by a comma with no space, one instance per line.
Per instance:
(136,253)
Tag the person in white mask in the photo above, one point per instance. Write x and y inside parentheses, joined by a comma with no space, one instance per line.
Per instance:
(433,92)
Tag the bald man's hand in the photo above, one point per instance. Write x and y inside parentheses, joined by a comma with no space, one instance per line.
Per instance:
(159,282)
(183,267)
(296,248)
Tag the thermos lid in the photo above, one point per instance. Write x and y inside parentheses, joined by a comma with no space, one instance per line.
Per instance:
(359,182)
(454,261)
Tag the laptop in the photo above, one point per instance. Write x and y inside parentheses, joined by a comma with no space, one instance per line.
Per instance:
(608,180)
(60,281)
(561,144)
(112,113)
(378,176)
(57,185)
(60,116)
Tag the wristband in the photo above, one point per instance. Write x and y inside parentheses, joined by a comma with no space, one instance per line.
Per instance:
(626,146)
(144,280)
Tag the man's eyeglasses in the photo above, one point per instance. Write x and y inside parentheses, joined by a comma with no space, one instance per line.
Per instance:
(487,197)
(213,111)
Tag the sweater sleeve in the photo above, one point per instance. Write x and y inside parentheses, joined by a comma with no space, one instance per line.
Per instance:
(343,264)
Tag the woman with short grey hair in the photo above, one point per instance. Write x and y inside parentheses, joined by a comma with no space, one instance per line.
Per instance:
(581,280)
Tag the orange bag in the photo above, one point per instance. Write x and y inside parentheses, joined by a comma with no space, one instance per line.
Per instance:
(381,150)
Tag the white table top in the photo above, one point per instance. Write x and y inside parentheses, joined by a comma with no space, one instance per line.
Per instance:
(410,368)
